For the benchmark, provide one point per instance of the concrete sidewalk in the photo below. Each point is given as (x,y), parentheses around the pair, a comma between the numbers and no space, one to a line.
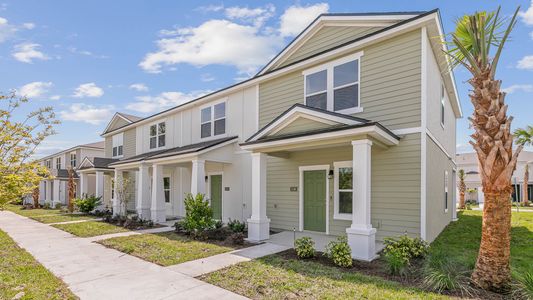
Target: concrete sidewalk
(93,271)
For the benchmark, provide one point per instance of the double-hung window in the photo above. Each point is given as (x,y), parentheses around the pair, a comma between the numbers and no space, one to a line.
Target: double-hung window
(118,145)
(166,188)
(343,190)
(48,164)
(58,163)
(213,120)
(157,135)
(334,86)
(73,159)
(442,103)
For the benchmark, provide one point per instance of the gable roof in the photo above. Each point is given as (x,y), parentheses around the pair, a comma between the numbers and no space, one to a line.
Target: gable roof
(120,116)
(95,145)
(431,17)
(96,162)
(99,145)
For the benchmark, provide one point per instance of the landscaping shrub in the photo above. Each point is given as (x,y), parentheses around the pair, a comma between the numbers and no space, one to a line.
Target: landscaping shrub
(523,288)
(216,233)
(198,215)
(57,206)
(339,252)
(443,274)
(304,247)
(399,252)
(218,224)
(86,204)
(237,238)
(47,205)
(236,225)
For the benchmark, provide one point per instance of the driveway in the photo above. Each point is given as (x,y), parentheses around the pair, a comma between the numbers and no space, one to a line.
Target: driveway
(93,271)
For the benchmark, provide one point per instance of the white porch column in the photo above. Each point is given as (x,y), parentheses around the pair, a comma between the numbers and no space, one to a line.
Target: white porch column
(143,193)
(198,177)
(48,196)
(99,184)
(258,224)
(42,191)
(84,183)
(56,196)
(158,209)
(116,203)
(361,235)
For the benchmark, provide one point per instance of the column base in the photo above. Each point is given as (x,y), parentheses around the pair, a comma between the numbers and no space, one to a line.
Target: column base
(158,216)
(258,230)
(143,213)
(362,241)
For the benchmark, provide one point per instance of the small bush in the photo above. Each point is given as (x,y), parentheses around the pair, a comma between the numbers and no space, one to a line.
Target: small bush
(340,252)
(523,288)
(218,224)
(399,252)
(198,215)
(47,205)
(443,274)
(57,206)
(236,225)
(87,203)
(237,238)
(304,247)
(218,234)
(397,262)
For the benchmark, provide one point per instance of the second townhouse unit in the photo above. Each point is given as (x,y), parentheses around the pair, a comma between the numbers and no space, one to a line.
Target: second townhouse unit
(349,130)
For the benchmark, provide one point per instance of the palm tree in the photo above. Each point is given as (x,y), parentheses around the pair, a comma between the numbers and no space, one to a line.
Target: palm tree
(471,44)
(462,188)
(524,136)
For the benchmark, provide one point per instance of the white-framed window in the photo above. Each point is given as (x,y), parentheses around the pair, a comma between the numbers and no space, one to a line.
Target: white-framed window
(73,159)
(213,120)
(442,103)
(343,190)
(48,163)
(445,191)
(58,163)
(118,145)
(166,188)
(334,86)
(157,135)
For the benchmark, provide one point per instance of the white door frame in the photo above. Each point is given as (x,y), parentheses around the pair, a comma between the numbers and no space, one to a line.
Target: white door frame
(208,188)
(301,193)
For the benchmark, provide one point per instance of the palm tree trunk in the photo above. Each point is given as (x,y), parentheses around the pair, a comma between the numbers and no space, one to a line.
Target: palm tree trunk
(492,266)
(526,183)
(462,200)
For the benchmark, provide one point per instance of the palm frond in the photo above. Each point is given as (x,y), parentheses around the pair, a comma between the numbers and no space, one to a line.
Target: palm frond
(524,136)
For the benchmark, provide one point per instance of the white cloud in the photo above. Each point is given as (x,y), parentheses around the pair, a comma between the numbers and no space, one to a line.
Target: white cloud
(55,97)
(27,52)
(88,90)
(518,87)
(149,104)
(28,26)
(296,18)
(206,77)
(464,148)
(6,30)
(527,16)
(75,50)
(139,87)
(209,44)
(81,112)
(210,8)
(35,89)
(531,34)
(257,16)
(526,63)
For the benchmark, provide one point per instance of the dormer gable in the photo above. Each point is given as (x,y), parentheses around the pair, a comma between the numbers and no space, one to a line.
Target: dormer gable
(120,120)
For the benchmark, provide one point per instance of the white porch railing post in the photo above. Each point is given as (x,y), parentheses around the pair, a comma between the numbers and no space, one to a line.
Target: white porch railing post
(143,193)
(158,209)
(258,224)
(198,177)
(361,235)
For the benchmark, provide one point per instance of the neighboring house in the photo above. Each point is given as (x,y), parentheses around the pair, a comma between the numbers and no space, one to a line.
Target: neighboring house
(349,130)
(55,190)
(468,162)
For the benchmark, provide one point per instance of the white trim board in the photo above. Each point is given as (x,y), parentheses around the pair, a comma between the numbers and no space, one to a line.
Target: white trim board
(301,170)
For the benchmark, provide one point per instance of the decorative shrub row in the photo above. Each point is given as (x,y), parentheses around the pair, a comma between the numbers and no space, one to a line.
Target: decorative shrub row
(338,251)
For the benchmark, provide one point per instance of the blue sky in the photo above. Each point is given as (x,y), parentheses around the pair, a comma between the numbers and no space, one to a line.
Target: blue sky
(89,59)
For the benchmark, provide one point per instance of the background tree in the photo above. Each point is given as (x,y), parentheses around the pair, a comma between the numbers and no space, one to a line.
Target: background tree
(462,188)
(35,196)
(121,186)
(20,135)
(471,44)
(524,136)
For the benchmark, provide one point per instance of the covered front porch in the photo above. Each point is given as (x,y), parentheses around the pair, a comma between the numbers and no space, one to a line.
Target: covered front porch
(95,179)
(316,181)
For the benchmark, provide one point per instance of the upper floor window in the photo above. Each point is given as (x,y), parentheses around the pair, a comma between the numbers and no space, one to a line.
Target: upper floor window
(118,145)
(58,163)
(48,164)
(442,102)
(157,135)
(73,160)
(343,188)
(334,86)
(213,120)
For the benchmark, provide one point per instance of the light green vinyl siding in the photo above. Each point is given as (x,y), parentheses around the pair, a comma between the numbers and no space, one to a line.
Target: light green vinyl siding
(129,143)
(302,124)
(326,38)
(437,164)
(395,187)
(108,147)
(117,123)
(390,85)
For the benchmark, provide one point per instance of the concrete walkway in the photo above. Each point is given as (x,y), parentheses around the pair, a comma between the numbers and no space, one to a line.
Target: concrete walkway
(128,233)
(213,263)
(93,271)
(74,222)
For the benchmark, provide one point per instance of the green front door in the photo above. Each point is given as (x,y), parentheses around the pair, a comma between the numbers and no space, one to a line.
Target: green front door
(216,196)
(315,200)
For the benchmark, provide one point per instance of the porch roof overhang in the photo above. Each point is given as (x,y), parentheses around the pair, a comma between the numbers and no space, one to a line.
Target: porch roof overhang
(93,164)
(329,137)
(176,154)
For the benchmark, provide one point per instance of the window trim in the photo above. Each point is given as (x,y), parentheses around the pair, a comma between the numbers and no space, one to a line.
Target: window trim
(212,120)
(446,191)
(330,88)
(169,188)
(75,159)
(120,143)
(58,163)
(336,166)
(156,123)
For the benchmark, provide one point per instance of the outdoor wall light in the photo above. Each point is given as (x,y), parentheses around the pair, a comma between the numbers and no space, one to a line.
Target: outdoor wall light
(206,177)
(330,174)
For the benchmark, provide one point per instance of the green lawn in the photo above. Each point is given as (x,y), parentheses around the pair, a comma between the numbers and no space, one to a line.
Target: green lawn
(88,229)
(47,216)
(460,240)
(31,212)
(167,248)
(275,277)
(21,273)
